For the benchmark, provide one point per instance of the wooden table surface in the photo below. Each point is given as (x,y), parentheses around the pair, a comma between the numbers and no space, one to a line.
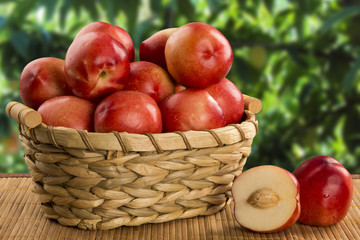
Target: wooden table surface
(22,218)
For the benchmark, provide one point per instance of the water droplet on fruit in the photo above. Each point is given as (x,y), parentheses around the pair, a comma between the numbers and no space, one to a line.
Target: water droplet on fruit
(326,195)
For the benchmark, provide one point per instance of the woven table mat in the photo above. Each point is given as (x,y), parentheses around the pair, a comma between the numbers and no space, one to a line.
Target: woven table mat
(22,218)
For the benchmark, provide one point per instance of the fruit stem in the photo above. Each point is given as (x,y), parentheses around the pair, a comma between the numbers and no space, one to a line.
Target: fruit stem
(102,74)
(263,198)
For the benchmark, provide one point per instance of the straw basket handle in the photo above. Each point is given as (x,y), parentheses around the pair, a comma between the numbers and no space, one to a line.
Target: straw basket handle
(23,114)
(252,104)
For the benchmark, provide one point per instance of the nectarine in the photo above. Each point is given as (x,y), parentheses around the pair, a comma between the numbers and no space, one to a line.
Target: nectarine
(68,111)
(230,100)
(96,65)
(191,109)
(42,79)
(153,48)
(326,190)
(198,55)
(266,199)
(149,78)
(118,33)
(128,111)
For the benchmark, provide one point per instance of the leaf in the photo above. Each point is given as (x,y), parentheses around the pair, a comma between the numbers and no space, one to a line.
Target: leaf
(299,19)
(21,10)
(250,7)
(109,8)
(257,56)
(77,5)
(269,5)
(2,21)
(352,129)
(50,7)
(4,125)
(350,77)
(338,17)
(216,8)
(295,55)
(91,7)
(186,8)
(141,28)
(215,5)
(21,42)
(130,9)
(64,9)
(156,6)
(112,7)
(337,70)
(305,96)
(246,72)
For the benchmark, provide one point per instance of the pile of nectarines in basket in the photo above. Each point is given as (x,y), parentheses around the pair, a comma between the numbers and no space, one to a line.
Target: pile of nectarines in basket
(179,83)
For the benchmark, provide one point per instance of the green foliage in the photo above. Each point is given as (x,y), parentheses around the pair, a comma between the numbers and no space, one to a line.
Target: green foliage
(301,58)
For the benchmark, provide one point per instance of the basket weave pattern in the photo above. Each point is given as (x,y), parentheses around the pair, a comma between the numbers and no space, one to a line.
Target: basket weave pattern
(103,181)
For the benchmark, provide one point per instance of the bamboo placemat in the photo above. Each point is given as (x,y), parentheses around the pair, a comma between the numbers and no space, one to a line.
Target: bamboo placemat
(21,218)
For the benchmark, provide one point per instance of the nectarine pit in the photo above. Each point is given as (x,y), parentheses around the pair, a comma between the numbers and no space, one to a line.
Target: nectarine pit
(263,198)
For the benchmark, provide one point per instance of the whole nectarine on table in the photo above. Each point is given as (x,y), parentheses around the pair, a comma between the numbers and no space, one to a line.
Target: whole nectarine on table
(326,190)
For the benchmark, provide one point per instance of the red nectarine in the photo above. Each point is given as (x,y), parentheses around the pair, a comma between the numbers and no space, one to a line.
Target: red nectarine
(128,111)
(191,109)
(68,111)
(96,65)
(42,79)
(326,190)
(116,32)
(149,78)
(230,100)
(198,55)
(266,199)
(153,48)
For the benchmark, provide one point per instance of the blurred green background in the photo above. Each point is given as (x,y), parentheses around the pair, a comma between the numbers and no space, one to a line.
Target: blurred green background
(301,58)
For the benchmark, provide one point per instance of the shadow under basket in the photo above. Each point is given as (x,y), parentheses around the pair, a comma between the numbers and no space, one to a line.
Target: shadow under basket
(100,181)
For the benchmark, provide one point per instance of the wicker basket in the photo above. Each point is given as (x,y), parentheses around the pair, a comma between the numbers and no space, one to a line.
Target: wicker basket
(107,180)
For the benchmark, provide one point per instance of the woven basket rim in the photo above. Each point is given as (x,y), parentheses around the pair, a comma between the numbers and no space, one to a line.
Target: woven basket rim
(133,142)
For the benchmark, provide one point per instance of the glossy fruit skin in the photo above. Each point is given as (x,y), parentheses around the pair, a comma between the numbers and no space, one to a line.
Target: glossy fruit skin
(191,109)
(118,33)
(68,111)
(153,48)
(151,79)
(198,55)
(230,100)
(326,190)
(42,79)
(96,65)
(128,111)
